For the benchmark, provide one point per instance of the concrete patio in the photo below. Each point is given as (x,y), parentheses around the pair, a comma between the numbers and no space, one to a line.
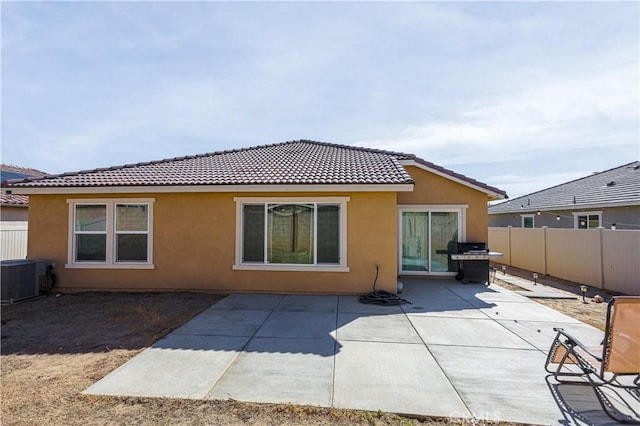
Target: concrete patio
(466,351)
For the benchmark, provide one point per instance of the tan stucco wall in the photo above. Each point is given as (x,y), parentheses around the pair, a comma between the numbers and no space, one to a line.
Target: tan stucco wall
(194,247)
(194,237)
(432,189)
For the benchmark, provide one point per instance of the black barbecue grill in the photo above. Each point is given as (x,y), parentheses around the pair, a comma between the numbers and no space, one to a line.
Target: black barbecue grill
(473,262)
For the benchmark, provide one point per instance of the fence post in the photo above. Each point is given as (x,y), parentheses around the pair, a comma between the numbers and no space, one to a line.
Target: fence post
(509,243)
(544,250)
(601,256)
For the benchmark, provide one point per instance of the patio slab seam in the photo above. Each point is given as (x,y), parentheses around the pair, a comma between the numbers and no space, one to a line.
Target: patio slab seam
(237,355)
(502,323)
(335,351)
(466,405)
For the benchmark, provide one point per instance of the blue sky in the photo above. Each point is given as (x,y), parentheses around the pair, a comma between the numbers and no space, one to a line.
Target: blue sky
(520,95)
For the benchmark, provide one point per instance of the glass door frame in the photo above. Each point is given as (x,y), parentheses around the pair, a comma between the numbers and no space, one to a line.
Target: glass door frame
(461,210)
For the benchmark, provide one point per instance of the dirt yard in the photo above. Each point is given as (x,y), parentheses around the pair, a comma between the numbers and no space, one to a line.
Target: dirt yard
(55,347)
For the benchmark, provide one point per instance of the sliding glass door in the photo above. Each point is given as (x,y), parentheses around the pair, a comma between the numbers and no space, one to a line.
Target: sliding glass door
(415,241)
(426,237)
(444,237)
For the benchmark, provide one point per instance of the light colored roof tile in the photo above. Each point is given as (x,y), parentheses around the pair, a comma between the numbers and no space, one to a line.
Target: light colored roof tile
(14,200)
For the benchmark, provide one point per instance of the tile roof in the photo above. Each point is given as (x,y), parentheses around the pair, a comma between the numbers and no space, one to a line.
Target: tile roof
(298,162)
(14,200)
(288,163)
(620,185)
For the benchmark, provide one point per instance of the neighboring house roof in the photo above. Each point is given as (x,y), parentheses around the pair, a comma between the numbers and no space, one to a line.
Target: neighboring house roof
(619,186)
(300,162)
(10,172)
(14,200)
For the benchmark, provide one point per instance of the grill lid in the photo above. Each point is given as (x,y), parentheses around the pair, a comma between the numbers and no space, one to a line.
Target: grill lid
(470,247)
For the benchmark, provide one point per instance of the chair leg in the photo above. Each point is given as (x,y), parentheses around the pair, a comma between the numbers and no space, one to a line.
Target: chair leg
(557,372)
(608,407)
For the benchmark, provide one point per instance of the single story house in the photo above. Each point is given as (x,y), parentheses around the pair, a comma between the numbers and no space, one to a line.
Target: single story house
(609,199)
(298,217)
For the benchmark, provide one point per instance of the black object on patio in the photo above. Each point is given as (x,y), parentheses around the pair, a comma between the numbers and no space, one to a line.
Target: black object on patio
(473,262)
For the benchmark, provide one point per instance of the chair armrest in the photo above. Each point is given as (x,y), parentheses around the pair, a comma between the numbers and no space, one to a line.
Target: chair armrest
(575,342)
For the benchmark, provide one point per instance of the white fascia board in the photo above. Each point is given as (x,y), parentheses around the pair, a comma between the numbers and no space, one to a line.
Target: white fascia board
(414,163)
(210,188)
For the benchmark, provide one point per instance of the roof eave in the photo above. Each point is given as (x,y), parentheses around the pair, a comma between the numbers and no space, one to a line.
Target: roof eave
(493,193)
(21,205)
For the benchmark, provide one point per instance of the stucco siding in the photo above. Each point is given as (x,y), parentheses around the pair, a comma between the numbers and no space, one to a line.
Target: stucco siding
(194,238)
(431,189)
(627,217)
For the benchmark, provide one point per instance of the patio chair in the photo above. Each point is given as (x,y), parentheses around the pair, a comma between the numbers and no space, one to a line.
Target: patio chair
(618,355)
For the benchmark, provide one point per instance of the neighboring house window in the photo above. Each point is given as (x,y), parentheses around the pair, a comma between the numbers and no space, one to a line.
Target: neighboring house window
(528,221)
(291,233)
(110,233)
(587,220)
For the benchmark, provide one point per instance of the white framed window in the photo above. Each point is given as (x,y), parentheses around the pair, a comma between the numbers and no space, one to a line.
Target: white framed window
(291,234)
(587,220)
(110,233)
(528,220)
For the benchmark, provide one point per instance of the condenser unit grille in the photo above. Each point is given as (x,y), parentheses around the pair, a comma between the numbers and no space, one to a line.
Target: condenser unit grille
(21,279)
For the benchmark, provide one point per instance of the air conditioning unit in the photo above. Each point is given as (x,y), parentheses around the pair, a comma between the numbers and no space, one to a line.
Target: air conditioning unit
(23,279)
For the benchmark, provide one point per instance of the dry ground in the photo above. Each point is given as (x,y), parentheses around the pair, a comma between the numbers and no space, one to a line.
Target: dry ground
(591,313)
(55,347)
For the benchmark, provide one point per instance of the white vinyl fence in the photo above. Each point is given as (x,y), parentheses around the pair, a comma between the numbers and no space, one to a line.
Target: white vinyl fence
(601,258)
(13,240)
